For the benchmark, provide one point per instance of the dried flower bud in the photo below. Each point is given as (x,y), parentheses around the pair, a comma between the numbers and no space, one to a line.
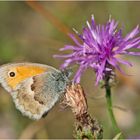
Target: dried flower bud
(75,98)
(85,126)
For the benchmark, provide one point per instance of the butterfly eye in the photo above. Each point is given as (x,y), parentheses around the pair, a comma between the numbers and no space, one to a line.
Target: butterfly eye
(12,74)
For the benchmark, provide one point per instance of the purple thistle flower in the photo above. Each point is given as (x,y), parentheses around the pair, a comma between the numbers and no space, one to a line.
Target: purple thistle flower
(101,45)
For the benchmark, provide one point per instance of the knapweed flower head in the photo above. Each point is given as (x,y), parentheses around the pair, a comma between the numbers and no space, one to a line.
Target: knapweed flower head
(101,45)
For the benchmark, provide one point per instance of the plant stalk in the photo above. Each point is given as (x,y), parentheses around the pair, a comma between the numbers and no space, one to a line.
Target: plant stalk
(110,107)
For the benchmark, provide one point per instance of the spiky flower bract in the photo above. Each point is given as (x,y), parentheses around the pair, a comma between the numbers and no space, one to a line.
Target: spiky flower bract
(101,45)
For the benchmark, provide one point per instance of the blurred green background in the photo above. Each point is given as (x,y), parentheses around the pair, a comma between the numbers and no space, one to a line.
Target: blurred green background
(26,35)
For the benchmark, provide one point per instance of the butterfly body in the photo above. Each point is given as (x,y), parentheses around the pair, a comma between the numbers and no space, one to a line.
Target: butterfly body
(35,88)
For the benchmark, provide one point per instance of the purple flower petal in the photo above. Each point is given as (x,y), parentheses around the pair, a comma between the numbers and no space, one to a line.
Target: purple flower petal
(78,74)
(74,39)
(69,47)
(64,55)
(132,53)
(124,62)
(132,34)
(114,63)
(99,47)
(100,72)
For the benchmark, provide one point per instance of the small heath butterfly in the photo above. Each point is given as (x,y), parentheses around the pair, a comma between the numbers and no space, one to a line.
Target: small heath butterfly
(35,88)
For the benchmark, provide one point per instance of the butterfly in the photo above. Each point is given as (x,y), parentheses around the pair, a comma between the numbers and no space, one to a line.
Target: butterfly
(35,88)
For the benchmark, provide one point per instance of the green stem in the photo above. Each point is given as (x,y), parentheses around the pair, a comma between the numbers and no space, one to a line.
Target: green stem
(110,108)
